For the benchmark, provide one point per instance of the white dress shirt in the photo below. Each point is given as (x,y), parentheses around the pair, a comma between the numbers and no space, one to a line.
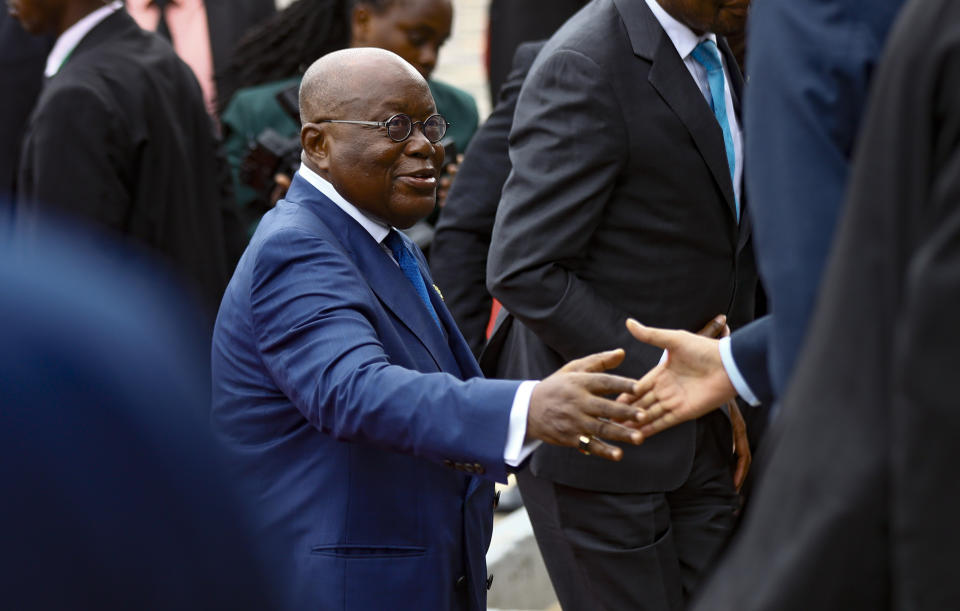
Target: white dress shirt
(72,36)
(516,448)
(685,41)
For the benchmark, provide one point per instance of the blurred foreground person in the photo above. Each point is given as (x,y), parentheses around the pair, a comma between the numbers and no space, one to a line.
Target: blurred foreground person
(120,137)
(114,496)
(857,508)
(354,410)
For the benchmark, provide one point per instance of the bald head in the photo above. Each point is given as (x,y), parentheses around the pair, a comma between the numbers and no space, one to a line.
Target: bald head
(343,82)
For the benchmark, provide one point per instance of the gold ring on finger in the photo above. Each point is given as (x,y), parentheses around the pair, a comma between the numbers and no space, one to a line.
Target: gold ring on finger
(583,444)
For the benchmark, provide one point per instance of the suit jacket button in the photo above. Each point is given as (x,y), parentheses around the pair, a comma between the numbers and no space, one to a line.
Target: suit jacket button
(489,582)
(461,582)
(496,499)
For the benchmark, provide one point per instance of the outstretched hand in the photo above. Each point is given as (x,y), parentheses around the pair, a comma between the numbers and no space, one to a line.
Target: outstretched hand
(691,381)
(570,404)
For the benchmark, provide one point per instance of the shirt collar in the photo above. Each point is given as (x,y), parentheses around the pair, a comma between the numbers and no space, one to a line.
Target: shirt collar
(376,229)
(682,37)
(72,36)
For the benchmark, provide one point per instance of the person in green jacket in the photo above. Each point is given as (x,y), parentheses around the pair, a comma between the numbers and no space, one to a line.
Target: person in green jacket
(272,58)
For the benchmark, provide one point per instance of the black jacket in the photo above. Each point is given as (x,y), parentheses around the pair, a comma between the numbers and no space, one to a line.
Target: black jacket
(120,137)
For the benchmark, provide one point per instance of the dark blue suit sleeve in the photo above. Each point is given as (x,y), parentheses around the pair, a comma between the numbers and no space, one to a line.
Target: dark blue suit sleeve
(810,64)
(749,346)
(331,350)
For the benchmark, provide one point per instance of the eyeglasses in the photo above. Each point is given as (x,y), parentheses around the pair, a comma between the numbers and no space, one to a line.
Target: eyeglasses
(400,126)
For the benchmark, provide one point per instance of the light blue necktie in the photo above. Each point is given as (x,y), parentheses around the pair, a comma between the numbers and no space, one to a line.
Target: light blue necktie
(708,55)
(408,264)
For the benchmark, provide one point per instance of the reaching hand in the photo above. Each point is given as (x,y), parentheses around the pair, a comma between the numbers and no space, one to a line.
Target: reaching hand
(691,381)
(569,405)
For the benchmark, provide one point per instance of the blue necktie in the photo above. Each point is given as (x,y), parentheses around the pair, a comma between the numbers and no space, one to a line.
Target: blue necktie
(708,55)
(408,264)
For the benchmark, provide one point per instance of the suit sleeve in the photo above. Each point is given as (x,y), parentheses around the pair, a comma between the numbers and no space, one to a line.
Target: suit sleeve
(749,348)
(923,365)
(313,317)
(458,255)
(76,157)
(568,147)
(802,116)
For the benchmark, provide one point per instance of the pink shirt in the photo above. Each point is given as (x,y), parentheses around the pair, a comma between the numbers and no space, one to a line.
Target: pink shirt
(187,22)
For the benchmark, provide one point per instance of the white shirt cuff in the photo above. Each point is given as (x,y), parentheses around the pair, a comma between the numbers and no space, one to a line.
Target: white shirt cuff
(736,378)
(517,449)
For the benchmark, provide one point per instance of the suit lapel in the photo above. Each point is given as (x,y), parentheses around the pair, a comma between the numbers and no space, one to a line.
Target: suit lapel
(736,77)
(461,351)
(378,268)
(673,82)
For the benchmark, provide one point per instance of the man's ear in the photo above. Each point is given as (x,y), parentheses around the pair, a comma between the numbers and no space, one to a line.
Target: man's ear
(360,25)
(315,143)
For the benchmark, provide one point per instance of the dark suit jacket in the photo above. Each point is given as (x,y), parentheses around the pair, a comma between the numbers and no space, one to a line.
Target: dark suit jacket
(620,204)
(824,54)
(858,504)
(120,137)
(458,255)
(346,412)
(514,22)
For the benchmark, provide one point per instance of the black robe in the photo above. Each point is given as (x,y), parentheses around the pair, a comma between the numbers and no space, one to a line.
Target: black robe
(858,507)
(120,137)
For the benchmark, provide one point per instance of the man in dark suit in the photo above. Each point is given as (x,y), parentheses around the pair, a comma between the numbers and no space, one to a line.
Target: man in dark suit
(811,63)
(352,407)
(625,199)
(458,255)
(119,137)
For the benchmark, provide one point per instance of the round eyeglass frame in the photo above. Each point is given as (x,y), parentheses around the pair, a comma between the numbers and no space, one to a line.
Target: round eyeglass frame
(391,124)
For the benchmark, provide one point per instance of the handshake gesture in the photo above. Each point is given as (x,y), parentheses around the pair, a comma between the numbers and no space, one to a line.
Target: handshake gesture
(569,409)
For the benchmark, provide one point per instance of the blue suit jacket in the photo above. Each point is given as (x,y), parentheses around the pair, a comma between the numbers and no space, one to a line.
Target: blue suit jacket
(810,66)
(346,412)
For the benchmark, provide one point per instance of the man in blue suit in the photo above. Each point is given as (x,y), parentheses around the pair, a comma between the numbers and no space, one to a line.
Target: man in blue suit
(353,408)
